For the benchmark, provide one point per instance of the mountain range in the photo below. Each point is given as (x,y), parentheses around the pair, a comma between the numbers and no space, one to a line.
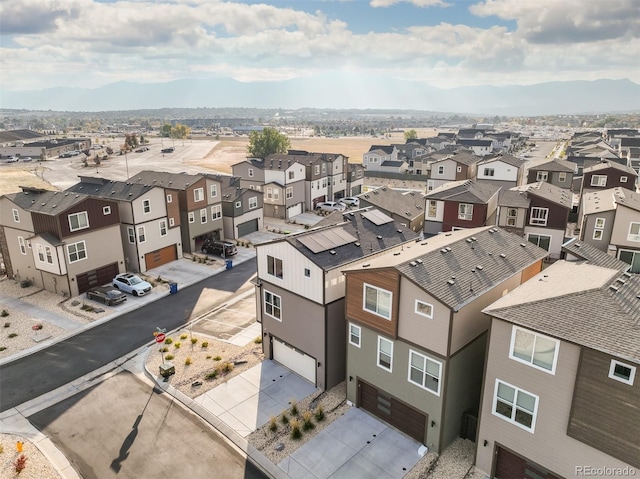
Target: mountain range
(339,91)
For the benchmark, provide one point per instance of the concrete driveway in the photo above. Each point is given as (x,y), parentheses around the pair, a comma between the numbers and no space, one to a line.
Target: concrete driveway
(234,322)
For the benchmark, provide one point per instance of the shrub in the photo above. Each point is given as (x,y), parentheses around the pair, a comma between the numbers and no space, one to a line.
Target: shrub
(183,336)
(194,340)
(307,423)
(320,413)
(296,433)
(273,424)
(212,375)
(13,335)
(169,357)
(217,358)
(187,361)
(6,325)
(258,340)
(20,463)
(4,313)
(2,348)
(208,356)
(228,367)
(164,350)
(284,419)
(204,344)
(168,341)
(177,345)
(294,408)
(1,449)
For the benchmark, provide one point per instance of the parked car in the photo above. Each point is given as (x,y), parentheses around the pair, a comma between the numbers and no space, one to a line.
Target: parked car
(107,295)
(167,150)
(142,149)
(96,147)
(69,154)
(26,158)
(130,283)
(330,206)
(12,159)
(219,247)
(350,201)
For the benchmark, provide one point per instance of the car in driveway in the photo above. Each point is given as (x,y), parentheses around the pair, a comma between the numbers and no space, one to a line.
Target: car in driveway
(168,150)
(219,247)
(330,206)
(350,201)
(107,295)
(12,159)
(131,283)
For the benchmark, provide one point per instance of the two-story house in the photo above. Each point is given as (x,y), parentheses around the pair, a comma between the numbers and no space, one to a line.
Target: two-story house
(242,211)
(147,239)
(461,165)
(405,207)
(479,147)
(460,204)
(417,338)
(513,211)
(607,175)
(251,173)
(61,241)
(300,290)
(561,389)
(557,172)
(372,160)
(355,179)
(611,223)
(192,201)
(503,170)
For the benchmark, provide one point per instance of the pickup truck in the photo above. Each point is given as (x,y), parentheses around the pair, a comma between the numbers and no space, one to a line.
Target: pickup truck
(330,206)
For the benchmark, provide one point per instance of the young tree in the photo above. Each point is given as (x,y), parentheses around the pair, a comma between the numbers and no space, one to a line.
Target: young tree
(267,142)
(410,135)
(131,140)
(181,131)
(165,130)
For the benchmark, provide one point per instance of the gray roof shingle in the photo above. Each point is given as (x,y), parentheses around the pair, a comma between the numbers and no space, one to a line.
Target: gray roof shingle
(176,181)
(593,255)
(514,199)
(45,201)
(405,204)
(508,159)
(111,189)
(555,165)
(547,191)
(464,190)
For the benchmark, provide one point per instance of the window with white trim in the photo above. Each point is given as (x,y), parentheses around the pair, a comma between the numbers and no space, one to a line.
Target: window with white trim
(216,212)
(623,179)
(78,221)
(430,185)
(459,169)
(274,266)
(562,177)
(634,232)
(424,309)
(40,250)
(432,208)
(253,202)
(465,211)
(385,354)
(355,333)
(291,175)
(146,206)
(131,234)
(512,215)
(622,372)
(489,172)
(424,372)
(21,244)
(77,251)
(441,170)
(172,222)
(289,192)
(250,171)
(539,216)
(307,273)
(203,216)
(142,237)
(213,190)
(192,217)
(48,254)
(631,257)
(598,229)
(599,180)
(273,305)
(198,194)
(377,301)
(238,204)
(317,169)
(534,349)
(16,215)
(515,405)
(169,198)
(542,175)
(106,210)
(163,227)
(543,241)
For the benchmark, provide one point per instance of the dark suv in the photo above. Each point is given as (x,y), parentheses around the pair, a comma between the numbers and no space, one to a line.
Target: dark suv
(221,248)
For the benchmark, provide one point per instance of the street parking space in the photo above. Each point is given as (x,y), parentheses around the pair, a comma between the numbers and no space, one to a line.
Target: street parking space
(229,321)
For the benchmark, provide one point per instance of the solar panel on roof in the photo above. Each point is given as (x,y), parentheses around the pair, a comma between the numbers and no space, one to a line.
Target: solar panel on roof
(377,217)
(326,240)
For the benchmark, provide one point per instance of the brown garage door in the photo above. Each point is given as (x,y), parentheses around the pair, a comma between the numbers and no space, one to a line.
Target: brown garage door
(97,277)
(407,419)
(161,256)
(509,465)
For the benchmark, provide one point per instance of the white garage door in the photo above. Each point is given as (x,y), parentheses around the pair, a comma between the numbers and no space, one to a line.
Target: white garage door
(294,210)
(295,360)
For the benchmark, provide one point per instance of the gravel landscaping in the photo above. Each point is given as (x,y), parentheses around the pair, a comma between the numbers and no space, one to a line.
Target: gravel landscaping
(36,467)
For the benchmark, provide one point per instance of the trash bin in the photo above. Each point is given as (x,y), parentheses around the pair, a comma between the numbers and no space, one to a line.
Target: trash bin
(173,288)
(229,263)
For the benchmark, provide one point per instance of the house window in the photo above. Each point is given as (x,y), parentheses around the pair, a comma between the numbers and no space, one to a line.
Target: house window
(489,172)
(534,349)
(598,231)
(216,212)
(253,202)
(250,172)
(252,187)
(597,235)
(291,175)
(163,228)
(238,204)
(622,372)
(270,193)
(512,215)
(16,215)
(634,232)
(192,217)
(539,216)
(131,234)
(599,180)
(146,206)
(631,257)
(430,185)
(424,372)
(273,305)
(274,266)
(385,353)
(289,192)
(317,169)
(78,221)
(169,199)
(424,309)
(432,208)
(459,169)
(540,240)
(441,170)
(377,301)
(213,190)
(106,210)
(562,177)
(623,179)
(142,237)
(542,175)
(77,251)
(22,246)
(198,194)
(40,250)
(355,333)
(172,222)
(324,168)
(203,216)
(515,405)
(307,273)
(465,211)
(324,182)
(49,254)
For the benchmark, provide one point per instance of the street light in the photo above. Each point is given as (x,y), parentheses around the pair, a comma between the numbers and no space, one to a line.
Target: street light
(126,162)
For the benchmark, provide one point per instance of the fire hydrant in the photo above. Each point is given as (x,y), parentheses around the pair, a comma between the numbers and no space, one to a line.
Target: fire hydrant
(19,445)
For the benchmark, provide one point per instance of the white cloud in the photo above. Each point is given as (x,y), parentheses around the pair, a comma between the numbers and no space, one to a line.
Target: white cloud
(417,3)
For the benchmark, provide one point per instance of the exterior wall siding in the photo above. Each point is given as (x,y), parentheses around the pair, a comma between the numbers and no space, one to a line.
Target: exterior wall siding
(588,227)
(23,265)
(450,218)
(557,217)
(502,172)
(623,220)
(557,238)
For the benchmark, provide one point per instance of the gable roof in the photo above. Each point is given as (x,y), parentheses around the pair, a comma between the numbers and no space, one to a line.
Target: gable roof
(387,149)
(464,157)
(508,159)
(37,200)
(111,189)
(611,164)
(230,188)
(555,165)
(175,181)
(549,192)
(392,164)
(402,203)
(607,200)
(514,199)
(591,254)
(465,191)
(475,142)
(579,302)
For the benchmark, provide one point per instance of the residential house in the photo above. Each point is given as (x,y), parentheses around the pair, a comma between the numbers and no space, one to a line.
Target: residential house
(192,201)
(576,250)
(373,159)
(148,239)
(502,170)
(460,204)
(300,290)
(460,165)
(557,172)
(355,179)
(547,217)
(479,147)
(611,223)
(251,173)
(560,393)
(513,211)
(61,241)
(406,207)
(607,175)
(417,338)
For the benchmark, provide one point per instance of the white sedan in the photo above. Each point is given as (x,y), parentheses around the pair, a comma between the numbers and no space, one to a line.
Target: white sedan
(130,283)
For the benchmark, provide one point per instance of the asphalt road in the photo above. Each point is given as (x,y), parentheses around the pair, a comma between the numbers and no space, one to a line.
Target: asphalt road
(124,428)
(61,363)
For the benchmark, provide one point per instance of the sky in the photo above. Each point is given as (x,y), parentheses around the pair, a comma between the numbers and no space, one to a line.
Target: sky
(443,43)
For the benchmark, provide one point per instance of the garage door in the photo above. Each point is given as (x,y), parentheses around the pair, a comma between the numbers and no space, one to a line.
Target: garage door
(97,277)
(295,360)
(401,416)
(247,227)
(161,256)
(510,465)
(294,210)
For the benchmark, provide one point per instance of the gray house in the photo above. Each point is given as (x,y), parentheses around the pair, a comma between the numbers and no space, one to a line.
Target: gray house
(557,172)
(406,207)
